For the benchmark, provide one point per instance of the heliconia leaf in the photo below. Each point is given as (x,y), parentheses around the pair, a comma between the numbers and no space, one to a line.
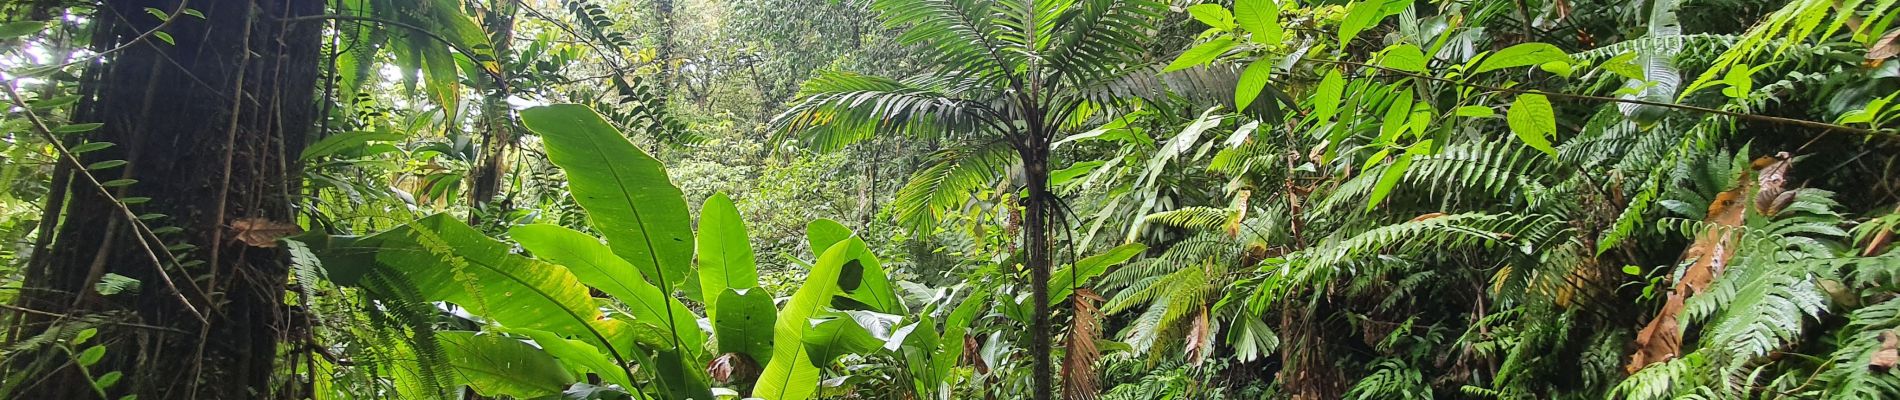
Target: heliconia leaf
(1327,97)
(791,375)
(1523,54)
(597,266)
(1201,54)
(443,259)
(579,355)
(745,323)
(823,233)
(1213,15)
(1405,57)
(1261,18)
(1253,80)
(626,192)
(725,251)
(493,365)
(1533,121)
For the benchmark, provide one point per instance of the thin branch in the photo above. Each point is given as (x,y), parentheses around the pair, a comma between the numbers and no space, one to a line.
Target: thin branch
(1746,116)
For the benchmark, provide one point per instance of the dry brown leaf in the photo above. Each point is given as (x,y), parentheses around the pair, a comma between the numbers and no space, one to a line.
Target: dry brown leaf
(1889,352)
(1199,337)
(262,232)
(1885,48)
(1660,341)
(732,367)
(1427,216)
(1078,364)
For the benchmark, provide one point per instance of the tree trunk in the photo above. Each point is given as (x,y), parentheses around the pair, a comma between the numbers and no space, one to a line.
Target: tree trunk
(210,127)
(497,117)
(1036,221)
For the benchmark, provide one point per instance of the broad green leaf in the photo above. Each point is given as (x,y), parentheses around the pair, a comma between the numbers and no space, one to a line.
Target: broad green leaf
(12,30)
(626,192)
(1065,280)
(1396,115)
(1624,65)
(440,79)
(791,375)
(595,264)
(1523,54)
(725,252)
(1213,15)
(1533,121)
(954,328)
(823,233)
(1359,16)
(1252,81)
(493,365)
(1077,170)
(345,141)
(1405,57)
(1387,180)
(1738,81)
(1327,97)
(744,323)
(439,258)
(578,355)
(1201,54)
(1261,18)
(835,334)
(1475,111)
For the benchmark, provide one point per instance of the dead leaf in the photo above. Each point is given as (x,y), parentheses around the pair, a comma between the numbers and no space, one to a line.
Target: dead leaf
(262,232)
(1078,365)
(1886,47)
(1427,216)
(1888,354)
(1661,339)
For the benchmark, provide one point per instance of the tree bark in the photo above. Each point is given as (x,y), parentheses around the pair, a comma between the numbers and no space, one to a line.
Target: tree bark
(210,125)
(497,117)
(1038,204)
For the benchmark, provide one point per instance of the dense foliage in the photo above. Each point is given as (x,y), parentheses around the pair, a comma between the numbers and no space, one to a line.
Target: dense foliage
(948,199)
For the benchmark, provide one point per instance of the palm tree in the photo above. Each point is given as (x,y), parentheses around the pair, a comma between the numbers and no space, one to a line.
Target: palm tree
(1009,76)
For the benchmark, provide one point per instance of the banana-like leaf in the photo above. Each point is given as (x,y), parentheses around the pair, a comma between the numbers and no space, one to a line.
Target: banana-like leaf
(791,375)
(493,365)
(579,355)
(439,258)
(597,266)
(626,192)
(725,252)
(864,284)
(745,324)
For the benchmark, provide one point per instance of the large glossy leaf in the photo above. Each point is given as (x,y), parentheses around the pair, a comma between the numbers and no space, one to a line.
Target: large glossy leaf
(791,375)
(725,252)
(1065,280)
(493,365)
(626,192)
(865,283)
(834,334)
(439,258)
(578,355)
(744,324)
(596,265)
(1253,80)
